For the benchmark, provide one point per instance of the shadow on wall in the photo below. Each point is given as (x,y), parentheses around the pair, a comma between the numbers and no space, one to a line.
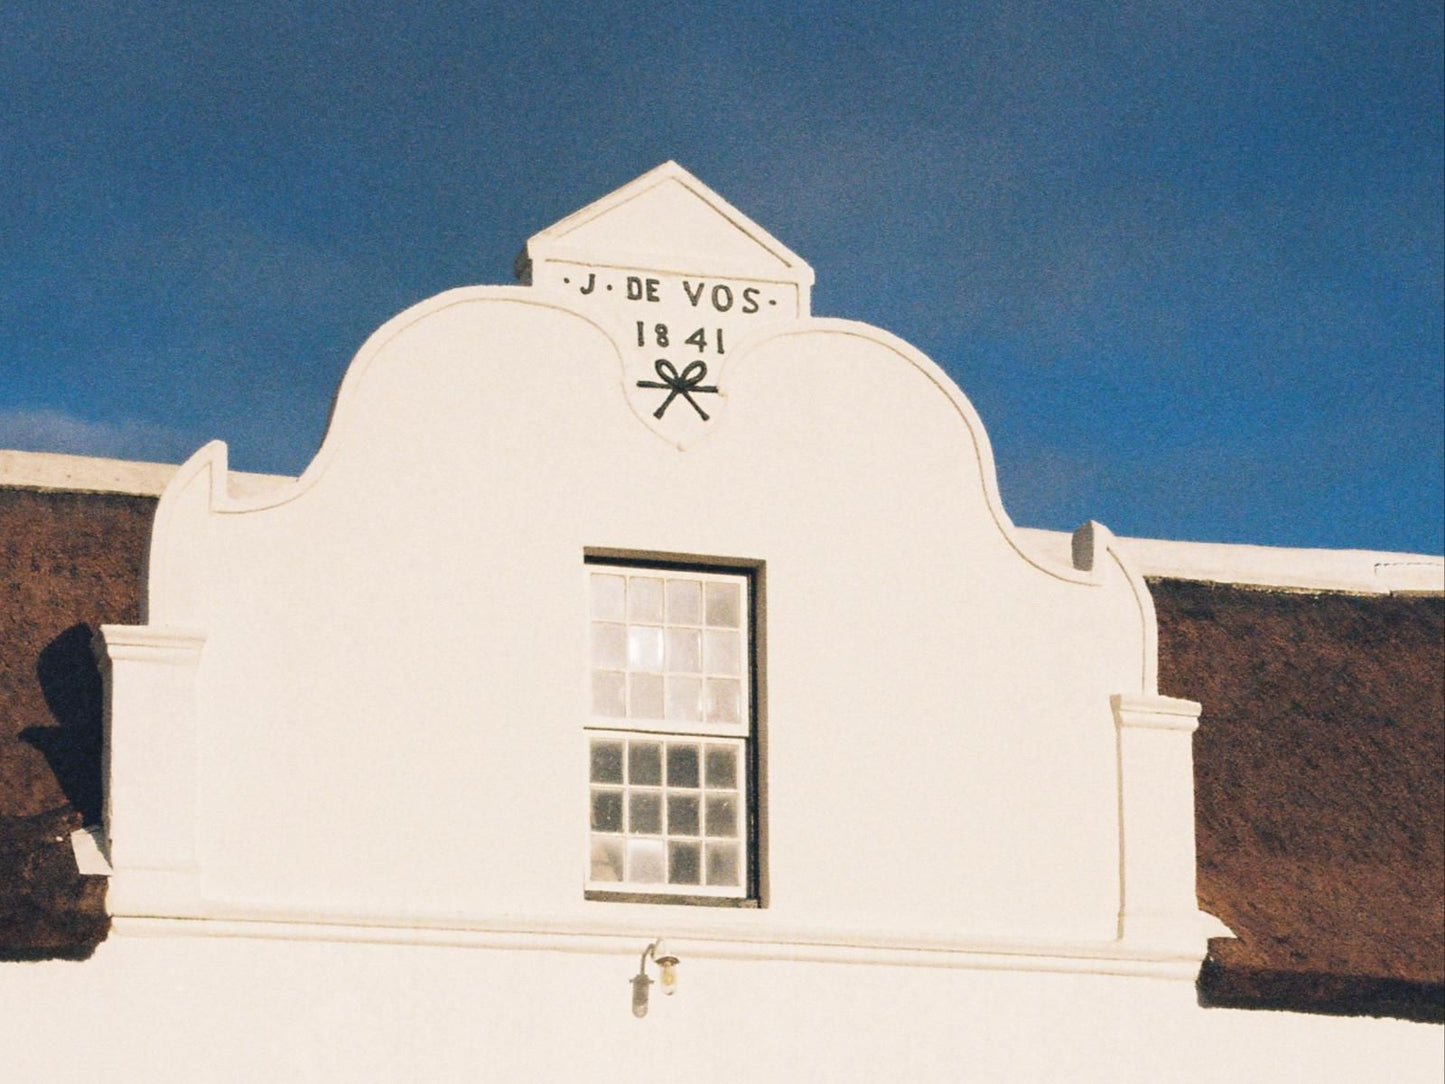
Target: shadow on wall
(70,681)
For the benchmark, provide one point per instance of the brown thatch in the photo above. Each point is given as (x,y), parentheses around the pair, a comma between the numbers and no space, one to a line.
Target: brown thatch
(1320,793)
(68,563)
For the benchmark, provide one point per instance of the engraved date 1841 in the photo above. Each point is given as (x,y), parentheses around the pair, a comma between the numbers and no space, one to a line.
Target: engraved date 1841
(661,335)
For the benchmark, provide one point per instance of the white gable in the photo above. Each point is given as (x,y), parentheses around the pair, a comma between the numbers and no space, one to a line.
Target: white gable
(667,220)
(363,696)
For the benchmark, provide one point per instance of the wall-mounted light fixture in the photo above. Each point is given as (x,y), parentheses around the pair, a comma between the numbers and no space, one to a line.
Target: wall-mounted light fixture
(641,982)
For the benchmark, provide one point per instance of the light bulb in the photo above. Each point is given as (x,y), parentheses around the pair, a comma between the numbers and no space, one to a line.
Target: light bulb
(669,974)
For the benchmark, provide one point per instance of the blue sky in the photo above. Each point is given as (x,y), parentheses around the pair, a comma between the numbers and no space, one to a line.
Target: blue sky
(1185,259)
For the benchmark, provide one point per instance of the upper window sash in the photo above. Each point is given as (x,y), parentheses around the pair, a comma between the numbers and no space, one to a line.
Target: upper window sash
(669,650)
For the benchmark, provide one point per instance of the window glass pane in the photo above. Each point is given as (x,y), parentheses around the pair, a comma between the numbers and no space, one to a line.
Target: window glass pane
(724,700)
(722,815)
(684,650)
(722,863)
(644,812)
(724,653)
(644,763)
(607,811)
(681,765)
(684,698)
(606,762)
(722,767)
(644,599)
(609,646)
(683,863)
(682,815)
(607,597)
(644,648)
(684,602)
(724,604)
(609,693)
(646,701)
(606,859)
(644,860)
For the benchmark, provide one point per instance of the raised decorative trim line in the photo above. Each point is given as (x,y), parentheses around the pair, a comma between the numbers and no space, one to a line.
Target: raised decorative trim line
(1101,958)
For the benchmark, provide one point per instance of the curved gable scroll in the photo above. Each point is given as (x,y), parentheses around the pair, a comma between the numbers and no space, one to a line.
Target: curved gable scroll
(387,661)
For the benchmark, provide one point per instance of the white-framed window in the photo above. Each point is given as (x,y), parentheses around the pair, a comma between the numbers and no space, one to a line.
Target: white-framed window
(670,732)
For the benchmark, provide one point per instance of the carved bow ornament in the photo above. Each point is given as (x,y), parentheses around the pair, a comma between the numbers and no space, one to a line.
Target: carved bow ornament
(685,383)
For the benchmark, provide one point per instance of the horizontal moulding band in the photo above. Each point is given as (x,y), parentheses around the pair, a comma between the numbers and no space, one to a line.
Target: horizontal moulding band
(1102,957)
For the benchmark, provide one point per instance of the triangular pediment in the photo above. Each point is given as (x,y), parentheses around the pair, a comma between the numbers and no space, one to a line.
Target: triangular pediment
(667,221)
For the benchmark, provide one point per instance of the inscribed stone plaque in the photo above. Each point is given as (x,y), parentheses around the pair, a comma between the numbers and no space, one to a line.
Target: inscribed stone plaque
(681,281)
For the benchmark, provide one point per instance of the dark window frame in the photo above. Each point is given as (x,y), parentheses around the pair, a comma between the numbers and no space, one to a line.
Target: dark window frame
(755,887)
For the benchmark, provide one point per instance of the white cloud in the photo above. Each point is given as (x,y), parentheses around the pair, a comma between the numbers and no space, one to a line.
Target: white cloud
(43,429)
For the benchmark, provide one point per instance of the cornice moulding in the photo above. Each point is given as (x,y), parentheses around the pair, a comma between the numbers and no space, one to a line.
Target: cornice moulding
(833,946)
(149,643)
(1155,712)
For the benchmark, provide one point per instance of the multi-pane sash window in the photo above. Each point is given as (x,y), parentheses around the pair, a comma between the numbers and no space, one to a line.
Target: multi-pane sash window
(670,731)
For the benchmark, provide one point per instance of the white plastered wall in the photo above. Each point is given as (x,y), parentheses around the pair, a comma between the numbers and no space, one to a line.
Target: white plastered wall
(238,1009)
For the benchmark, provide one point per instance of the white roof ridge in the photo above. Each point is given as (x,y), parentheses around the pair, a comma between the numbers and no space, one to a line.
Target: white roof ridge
(1358,571)
(97,474)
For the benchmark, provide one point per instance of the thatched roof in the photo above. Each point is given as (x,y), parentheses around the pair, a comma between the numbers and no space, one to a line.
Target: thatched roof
(68,562)
(1319,770)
